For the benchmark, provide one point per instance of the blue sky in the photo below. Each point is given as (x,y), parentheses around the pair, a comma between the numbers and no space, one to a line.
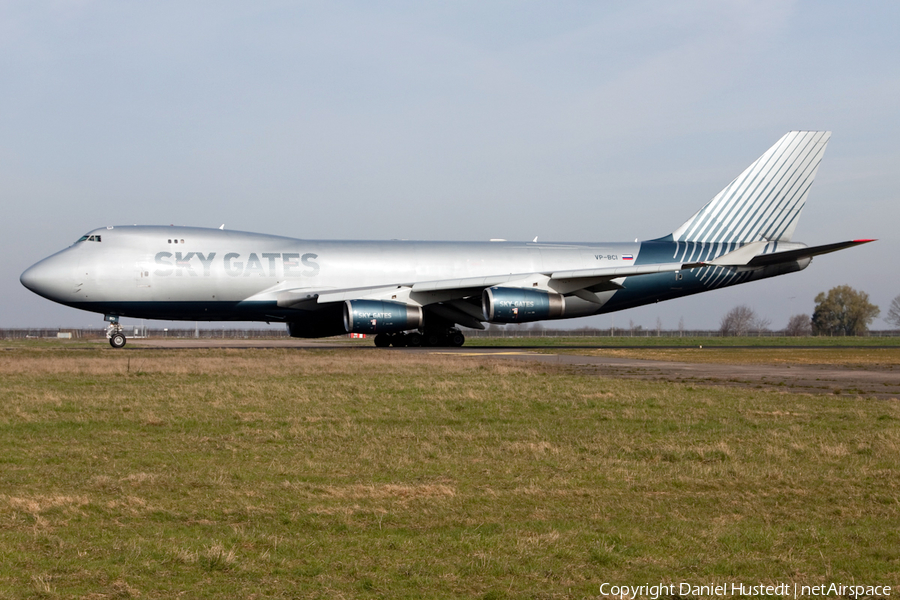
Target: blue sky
(465,120)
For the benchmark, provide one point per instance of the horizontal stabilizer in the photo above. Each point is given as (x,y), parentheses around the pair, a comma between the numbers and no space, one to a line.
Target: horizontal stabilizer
(750,256)
(775,258)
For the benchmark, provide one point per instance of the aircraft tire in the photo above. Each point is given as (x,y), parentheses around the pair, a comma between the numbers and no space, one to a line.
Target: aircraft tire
(117,340)
(382,341)
(399,340)
(414,340)
(457,339)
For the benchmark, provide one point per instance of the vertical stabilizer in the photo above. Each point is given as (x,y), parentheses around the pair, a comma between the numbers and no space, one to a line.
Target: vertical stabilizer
(763,202)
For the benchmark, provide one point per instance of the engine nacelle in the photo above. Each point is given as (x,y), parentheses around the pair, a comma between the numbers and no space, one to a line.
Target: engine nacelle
(521,305)
(380,316)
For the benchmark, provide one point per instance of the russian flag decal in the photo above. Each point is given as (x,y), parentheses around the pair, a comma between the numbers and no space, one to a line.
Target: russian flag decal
(628,257)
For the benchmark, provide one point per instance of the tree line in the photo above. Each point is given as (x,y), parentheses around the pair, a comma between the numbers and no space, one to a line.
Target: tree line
(840,311)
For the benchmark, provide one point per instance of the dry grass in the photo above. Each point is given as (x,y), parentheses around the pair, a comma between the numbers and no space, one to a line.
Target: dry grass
(233,362)
(286,473)
(857,357)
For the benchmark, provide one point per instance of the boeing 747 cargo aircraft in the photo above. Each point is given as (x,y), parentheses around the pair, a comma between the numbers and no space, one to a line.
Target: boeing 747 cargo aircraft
(412,293)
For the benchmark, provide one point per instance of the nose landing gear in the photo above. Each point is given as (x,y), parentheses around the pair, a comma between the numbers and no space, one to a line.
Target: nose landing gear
(114,333)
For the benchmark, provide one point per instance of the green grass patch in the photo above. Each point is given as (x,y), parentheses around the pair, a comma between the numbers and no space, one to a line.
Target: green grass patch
(653,341)
(286,473)
(861,358)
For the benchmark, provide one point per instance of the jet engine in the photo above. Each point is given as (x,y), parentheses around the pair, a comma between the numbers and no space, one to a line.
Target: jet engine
(380,316)
(521,305)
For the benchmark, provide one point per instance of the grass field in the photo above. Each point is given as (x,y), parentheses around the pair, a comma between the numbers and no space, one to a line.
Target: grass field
(877,358)
(540,342)
(688,342)
(344,474)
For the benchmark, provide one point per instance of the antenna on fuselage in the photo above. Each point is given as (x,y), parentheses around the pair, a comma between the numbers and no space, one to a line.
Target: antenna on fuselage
(222,226)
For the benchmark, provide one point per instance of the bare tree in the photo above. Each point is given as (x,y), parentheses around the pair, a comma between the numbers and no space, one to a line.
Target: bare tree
(738,321)
(741,320)
(893,316)
(761,324)
(799,325)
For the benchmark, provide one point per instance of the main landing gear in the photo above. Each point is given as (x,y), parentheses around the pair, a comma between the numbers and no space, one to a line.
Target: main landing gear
(451,337)
(114,333)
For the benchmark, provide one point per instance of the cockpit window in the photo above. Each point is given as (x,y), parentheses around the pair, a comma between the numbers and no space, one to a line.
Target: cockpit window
(89,238)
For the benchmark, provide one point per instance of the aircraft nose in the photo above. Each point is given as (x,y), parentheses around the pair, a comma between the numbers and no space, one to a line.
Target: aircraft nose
(37,278)
(47,278)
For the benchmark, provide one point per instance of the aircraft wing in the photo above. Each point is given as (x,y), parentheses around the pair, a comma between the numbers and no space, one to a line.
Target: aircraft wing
(579,282)
(444,290)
